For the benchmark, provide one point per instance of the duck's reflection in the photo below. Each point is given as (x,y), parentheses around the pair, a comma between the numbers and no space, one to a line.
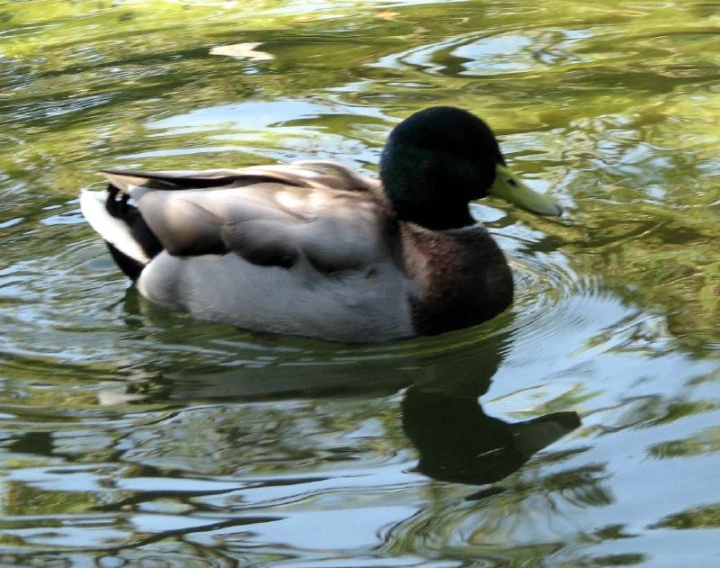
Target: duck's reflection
(442,379)
(458,442)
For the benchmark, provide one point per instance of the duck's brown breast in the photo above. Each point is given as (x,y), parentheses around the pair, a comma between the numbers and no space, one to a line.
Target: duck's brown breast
(462,278)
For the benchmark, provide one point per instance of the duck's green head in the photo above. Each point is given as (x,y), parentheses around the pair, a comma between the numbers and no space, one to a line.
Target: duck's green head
(439,159)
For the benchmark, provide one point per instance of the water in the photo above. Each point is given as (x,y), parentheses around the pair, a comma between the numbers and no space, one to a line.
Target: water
(132,435)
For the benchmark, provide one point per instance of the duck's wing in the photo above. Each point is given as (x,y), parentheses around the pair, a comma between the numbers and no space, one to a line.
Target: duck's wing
(308,173)
(320,213)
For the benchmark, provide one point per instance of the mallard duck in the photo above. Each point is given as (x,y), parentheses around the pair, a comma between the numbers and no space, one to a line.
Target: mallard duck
(315,249)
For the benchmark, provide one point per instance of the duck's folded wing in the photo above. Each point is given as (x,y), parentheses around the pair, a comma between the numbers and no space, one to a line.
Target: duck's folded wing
(268,223)
(195,222)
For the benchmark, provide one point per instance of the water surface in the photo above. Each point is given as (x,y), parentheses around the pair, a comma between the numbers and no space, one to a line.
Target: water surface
(132,435)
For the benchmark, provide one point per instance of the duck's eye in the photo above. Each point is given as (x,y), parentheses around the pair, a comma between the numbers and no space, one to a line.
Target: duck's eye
(512,182)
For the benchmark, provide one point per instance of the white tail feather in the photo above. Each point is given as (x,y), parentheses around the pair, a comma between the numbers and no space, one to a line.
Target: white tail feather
(114,231)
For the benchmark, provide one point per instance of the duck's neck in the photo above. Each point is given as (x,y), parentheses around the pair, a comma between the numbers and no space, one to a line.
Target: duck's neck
(443,217)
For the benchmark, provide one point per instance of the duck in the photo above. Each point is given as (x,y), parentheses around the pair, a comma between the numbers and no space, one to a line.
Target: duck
(316,249)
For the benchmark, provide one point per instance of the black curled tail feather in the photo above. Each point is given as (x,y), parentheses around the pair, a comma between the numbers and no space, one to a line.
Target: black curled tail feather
(131,267)
(117,205)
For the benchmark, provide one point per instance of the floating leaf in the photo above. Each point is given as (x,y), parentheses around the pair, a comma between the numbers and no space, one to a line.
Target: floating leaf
(386,14)
(246,50)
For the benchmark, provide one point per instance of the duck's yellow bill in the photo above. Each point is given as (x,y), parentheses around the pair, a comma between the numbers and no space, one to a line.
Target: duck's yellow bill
(511,189)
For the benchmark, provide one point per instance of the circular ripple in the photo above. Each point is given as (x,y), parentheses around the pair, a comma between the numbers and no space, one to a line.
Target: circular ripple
(557,309)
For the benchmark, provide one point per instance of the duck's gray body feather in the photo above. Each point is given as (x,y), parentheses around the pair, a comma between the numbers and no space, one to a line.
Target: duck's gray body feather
(370,304)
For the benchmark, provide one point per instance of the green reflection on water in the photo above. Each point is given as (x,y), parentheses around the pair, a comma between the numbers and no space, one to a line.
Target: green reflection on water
(131,421)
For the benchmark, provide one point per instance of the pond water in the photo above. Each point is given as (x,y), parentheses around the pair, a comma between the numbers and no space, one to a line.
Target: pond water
(580,428)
